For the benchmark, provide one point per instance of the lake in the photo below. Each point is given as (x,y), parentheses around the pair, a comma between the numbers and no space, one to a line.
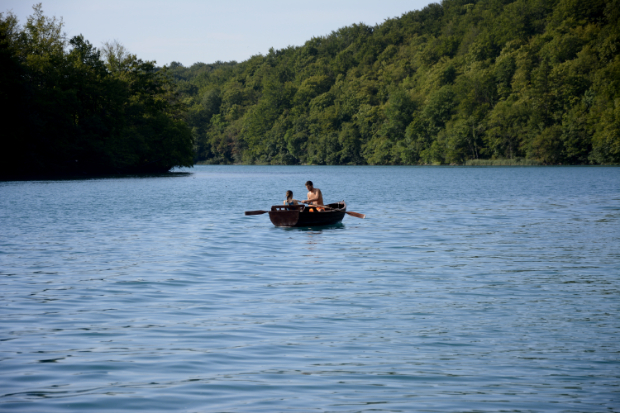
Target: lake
(465,289)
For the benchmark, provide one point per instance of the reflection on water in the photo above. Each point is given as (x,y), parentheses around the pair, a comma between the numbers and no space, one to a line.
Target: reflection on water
(474,289)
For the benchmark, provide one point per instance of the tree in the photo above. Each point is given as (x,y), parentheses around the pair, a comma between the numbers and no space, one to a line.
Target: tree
(456,81)
(76,114)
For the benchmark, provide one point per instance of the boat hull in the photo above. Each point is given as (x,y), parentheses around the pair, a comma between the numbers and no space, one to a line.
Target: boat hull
(306,216)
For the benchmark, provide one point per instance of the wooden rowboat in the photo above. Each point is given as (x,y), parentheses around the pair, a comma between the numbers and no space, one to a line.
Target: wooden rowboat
(307,216)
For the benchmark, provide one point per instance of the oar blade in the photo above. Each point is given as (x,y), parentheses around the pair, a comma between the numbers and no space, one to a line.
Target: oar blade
(255,212)
(356,214)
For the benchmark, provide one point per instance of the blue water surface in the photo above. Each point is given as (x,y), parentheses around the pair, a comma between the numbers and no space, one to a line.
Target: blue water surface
(464,290)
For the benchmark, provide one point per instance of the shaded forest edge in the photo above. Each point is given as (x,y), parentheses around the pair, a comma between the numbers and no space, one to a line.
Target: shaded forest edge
(485,82)
(506,82)
(70,109)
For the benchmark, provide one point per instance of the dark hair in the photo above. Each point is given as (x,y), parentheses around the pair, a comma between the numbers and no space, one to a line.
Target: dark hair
(289,194)
(309,183)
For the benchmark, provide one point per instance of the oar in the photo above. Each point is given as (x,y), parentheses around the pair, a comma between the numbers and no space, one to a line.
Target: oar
(356,214)
(255,212)
(353,214)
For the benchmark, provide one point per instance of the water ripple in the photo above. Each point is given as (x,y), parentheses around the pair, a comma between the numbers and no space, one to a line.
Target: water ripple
(474,289)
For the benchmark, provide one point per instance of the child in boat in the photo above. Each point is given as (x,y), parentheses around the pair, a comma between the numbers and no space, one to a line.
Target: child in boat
(289,199)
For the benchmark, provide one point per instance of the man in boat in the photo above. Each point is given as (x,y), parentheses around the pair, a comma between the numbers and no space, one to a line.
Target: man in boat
(315,196)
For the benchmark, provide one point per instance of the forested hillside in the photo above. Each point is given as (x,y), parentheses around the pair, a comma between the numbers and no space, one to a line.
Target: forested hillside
(454,83)
(68,108)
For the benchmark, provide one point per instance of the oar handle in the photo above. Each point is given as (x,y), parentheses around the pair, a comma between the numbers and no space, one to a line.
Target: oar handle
(353,214)
(319,206)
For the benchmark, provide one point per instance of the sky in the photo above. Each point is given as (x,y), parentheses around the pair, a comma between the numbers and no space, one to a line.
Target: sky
(190,31)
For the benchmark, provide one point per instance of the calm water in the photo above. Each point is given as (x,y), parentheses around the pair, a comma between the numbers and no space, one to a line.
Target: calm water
(465,289)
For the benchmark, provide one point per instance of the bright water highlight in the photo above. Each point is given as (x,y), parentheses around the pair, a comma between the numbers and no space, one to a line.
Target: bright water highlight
(465,289)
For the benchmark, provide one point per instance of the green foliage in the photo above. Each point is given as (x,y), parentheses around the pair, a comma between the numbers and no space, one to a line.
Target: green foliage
(461,82)
(70,112)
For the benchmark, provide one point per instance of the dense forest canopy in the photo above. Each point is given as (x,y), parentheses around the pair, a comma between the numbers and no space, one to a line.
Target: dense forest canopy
(454,83)
(69,108)
(461,82)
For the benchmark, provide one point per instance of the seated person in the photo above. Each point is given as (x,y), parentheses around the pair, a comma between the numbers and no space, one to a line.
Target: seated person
(290,200)
(315,197)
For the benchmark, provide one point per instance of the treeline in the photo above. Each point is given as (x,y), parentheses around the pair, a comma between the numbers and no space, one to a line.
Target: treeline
(68,108)
(456,82)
